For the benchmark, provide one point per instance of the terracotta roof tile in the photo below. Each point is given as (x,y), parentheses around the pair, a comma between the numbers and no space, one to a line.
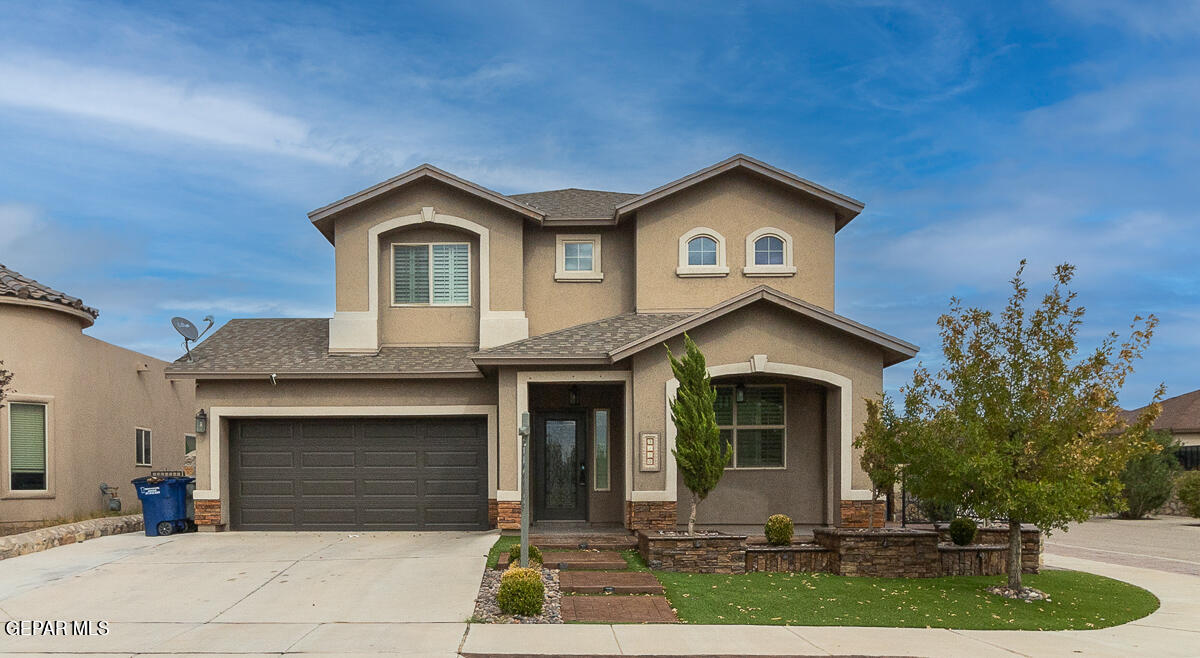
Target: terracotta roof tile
(13,284)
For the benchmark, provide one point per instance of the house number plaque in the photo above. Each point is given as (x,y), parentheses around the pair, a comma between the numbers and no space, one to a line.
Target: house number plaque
(651,451)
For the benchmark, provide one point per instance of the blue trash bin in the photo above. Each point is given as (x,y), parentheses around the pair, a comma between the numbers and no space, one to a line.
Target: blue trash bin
(164,503)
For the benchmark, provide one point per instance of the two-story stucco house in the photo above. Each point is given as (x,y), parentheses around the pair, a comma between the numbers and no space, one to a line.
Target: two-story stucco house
(461,310)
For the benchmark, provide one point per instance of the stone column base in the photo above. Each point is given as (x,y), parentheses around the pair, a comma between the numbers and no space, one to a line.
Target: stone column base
(855,513)
(208,514)
(651,514)
(508,514)
(492,512)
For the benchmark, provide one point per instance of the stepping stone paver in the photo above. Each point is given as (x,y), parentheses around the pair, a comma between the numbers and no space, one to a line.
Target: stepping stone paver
(576,560)
(618,609)
(622,582)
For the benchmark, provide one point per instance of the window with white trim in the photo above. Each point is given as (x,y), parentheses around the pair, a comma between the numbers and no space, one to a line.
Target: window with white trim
(701,253)
(434,274)
(769,253)
(142,447)
(577,258)
(756,424)
(27,446)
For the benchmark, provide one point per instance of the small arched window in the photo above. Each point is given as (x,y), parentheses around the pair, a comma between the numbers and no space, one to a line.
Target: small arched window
(769,253)
(702,253)
(702,250)
(768,250)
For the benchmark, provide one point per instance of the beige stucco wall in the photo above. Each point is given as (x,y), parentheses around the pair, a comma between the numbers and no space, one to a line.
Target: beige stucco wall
(331,393)
(734,205)
(552,304)
(98,397)
(783,336)
(1188,438)
(426,325)
(798,490)
(504,226)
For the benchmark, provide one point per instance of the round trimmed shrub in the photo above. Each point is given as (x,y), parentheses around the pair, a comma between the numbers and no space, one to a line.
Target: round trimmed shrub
(521,592)
(1187,487)
(514,555)
(778,530)
(962,531)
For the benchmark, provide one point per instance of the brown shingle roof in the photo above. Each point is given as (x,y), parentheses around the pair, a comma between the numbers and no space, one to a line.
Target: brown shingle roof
(13,284)
(593,340)
(575,203)
(300,346)
(1180,413)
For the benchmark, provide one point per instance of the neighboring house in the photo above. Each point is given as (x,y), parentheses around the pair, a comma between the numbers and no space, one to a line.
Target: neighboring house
(83,411)
(1181,417)
(460,310)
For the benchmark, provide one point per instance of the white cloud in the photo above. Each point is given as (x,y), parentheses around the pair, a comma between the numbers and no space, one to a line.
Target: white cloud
(1156,20)
(157,104)
(16,221)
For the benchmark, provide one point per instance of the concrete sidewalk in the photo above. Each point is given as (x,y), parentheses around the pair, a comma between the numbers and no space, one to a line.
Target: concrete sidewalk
(1173,630)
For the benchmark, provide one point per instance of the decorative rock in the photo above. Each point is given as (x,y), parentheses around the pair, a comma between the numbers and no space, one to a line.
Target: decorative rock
(487,610)
(1026,594)
(70,533)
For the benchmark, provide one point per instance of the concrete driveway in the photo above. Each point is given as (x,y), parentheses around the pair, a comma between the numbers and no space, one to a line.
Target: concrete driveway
(401,593)
(1164,543)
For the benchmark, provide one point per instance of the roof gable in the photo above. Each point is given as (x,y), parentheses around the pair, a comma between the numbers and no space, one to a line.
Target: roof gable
(1179,414)
(895,349)
(323,217)
(845,208)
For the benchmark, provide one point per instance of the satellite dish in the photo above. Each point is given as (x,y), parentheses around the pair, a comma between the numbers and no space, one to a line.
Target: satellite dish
(189,332)
(185,328)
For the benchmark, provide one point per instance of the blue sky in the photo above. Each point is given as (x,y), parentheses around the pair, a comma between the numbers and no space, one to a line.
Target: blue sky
(159,160)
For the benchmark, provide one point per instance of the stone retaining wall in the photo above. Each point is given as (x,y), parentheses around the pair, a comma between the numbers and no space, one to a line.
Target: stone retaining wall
(796,558)
(700,554)
(888,553)
(69,533)
(1031,542)
(973,560)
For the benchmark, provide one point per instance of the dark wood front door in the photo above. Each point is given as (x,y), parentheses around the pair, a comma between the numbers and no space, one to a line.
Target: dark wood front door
(560,466)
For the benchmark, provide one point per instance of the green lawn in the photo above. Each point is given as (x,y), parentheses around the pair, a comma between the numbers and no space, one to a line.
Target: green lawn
(1078,601)
(502,545)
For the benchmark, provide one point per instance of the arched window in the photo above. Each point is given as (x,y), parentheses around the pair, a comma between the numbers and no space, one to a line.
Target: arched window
(701,253)
(768,250)
(702,250)
(769,253)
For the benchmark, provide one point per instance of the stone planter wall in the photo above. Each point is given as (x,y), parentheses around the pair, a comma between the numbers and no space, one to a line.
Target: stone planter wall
(973,560)
(888,553)
(1031,543)
(69,533)
(700,554)
(795,558)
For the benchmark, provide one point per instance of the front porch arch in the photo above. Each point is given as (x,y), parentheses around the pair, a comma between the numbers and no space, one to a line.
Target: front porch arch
(758,364)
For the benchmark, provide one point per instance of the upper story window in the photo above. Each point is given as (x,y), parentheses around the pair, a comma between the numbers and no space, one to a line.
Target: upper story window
(769,253)
(436,274)
(577,258)
(27,446)
(702,250)
(701,253)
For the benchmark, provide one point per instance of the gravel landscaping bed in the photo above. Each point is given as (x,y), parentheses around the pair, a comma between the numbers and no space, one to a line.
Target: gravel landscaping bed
(487,610)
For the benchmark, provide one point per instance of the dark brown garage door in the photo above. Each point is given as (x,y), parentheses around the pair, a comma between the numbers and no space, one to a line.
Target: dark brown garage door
(360,474)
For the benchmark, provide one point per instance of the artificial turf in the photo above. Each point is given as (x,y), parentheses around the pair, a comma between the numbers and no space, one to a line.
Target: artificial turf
(1078,601)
